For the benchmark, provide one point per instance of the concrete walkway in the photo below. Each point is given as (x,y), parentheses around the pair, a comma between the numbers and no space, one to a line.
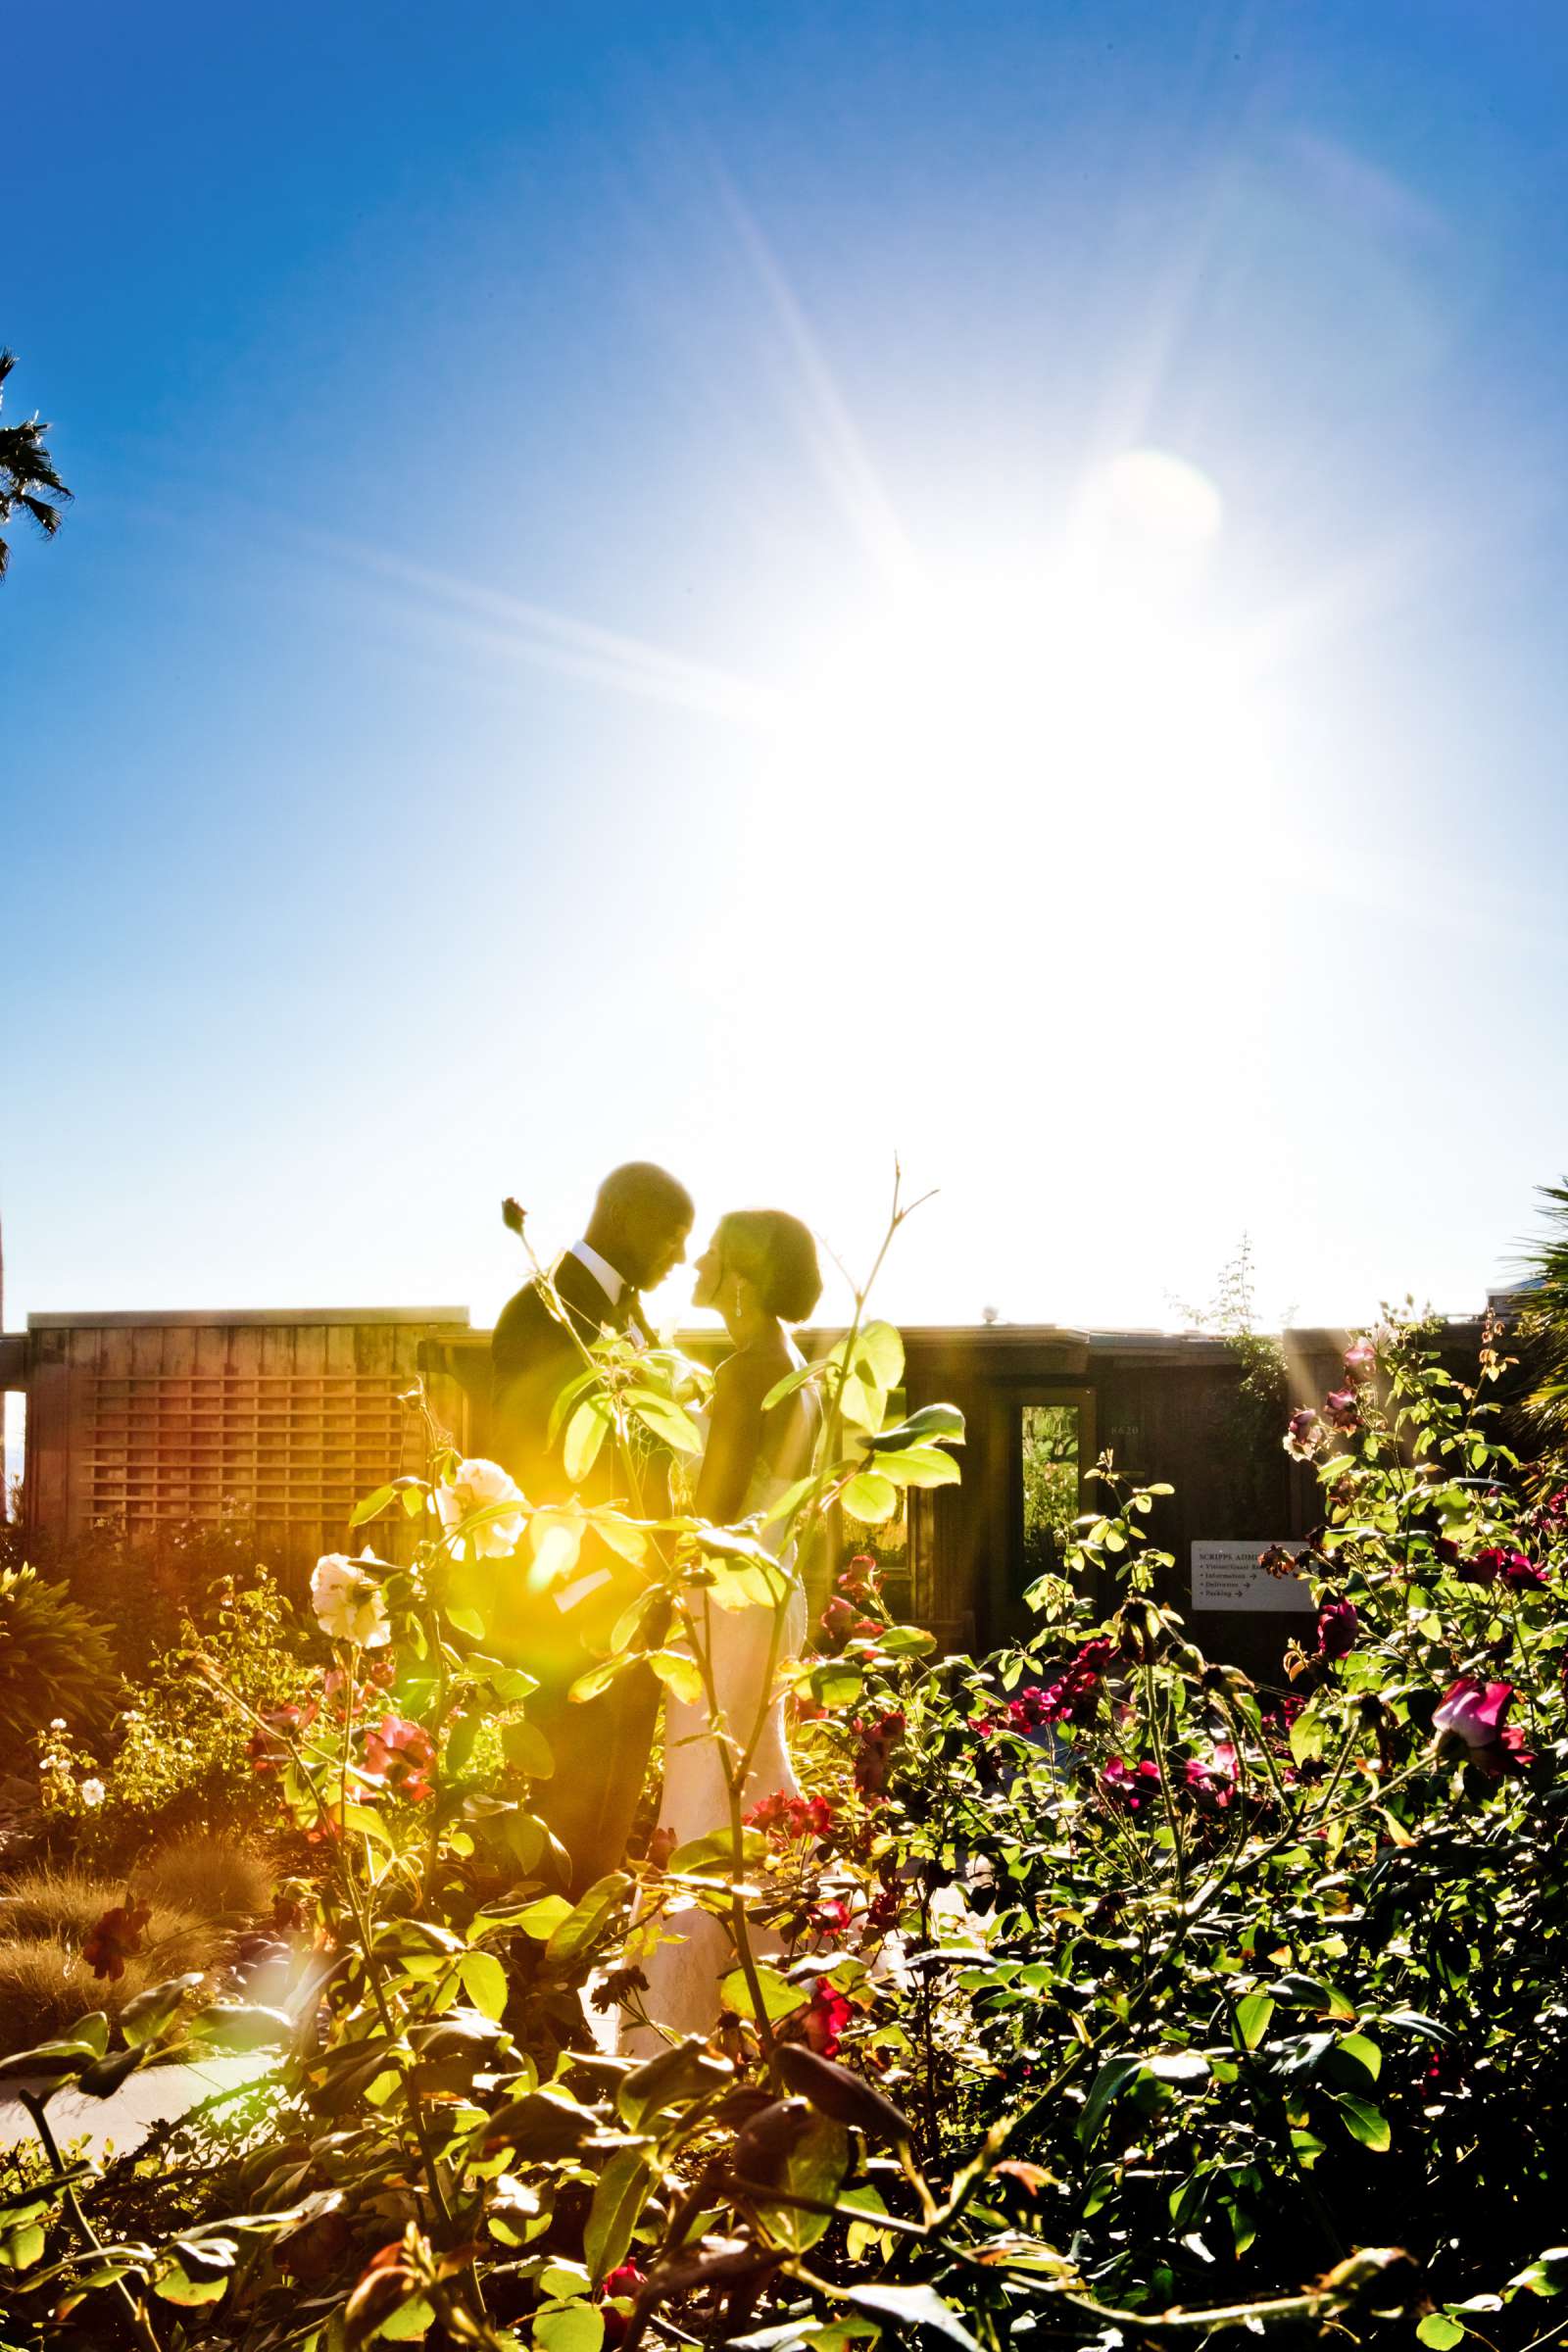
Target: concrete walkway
(158,2094)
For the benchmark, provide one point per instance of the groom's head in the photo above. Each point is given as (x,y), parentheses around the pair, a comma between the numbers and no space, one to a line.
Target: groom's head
(641,1222)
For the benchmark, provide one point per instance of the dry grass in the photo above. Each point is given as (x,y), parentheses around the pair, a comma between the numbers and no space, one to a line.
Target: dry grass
(68,1904)
(212,1877)
(197,1890)
(45,1985)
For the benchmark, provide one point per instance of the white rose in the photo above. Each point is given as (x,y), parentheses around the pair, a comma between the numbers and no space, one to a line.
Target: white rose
(478,1485)
(92,1792)
(349,1603)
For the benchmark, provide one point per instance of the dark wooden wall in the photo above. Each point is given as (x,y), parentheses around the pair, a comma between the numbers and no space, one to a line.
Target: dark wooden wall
(274,1422)
(282,1421)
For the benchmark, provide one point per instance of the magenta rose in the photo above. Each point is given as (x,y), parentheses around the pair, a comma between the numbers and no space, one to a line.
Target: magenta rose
(1335,1629)
(1473,1712)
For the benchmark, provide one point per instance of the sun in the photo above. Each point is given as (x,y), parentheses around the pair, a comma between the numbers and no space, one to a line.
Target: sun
(1050,697)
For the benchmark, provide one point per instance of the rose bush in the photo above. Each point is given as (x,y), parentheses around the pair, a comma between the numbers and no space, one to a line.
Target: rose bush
(1089,1992)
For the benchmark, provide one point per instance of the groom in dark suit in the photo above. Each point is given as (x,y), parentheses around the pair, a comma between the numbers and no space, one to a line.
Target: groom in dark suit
(637,1235)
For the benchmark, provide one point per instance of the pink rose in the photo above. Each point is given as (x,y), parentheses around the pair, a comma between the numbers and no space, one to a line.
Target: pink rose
(1473,1712)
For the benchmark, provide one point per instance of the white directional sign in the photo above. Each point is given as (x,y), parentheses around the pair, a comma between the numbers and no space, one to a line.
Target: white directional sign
(1227,1576)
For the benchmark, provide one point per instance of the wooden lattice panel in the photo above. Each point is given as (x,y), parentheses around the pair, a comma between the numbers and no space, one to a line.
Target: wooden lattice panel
(291,1447)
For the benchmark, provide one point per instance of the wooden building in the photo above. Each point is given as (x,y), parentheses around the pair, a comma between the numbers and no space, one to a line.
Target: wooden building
(272,1420)
(280,1421)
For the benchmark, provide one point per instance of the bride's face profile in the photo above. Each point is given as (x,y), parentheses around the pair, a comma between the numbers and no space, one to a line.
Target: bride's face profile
(710,1272)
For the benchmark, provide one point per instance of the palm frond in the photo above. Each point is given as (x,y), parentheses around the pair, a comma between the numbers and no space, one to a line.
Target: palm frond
(1544,1323)
(46,517)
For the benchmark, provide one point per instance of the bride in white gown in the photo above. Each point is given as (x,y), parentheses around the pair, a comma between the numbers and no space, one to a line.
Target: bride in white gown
(759,1272)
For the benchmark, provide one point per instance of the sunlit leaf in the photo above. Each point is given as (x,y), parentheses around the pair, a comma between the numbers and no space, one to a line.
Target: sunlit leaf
(871,1499)
(484,1981)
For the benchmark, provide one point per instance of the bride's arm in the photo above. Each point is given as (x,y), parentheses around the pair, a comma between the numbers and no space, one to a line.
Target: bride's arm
(734,1439)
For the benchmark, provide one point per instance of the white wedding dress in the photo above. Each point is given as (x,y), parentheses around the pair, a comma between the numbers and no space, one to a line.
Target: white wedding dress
(748,1661)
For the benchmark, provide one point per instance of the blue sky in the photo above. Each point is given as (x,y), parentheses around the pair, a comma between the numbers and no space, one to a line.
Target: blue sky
(770,585)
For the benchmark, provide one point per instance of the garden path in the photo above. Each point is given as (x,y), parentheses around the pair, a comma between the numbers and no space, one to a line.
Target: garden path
(159,2095)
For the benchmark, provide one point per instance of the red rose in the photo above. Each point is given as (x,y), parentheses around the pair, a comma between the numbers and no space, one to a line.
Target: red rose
(399,1756)
(115,1936)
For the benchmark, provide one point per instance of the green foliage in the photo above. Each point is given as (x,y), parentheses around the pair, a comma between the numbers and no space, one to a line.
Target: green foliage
(1089,1992)
(1544,1322)
(143,1593)
(28,482)
(180,1761)
(54,1656)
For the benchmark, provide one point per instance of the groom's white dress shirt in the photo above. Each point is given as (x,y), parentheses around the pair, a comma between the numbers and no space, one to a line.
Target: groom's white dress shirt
(603,1272)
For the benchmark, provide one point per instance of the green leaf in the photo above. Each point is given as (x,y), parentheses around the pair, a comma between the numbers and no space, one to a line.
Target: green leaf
(917,1466)
(560,2280)
(527,1749)
(244,2026)
(1356,2045)
(142,2020)
(22,2246)
(1439,2331)
(713,1853)
(879,1352)
(923,1428)
(1364,2121)
(1109,2085)
(50,2061)
(871,1499)
(569,2328)
(905,1640)
(484,1981)
(779,1997)
(1547,2274)
(1310,1737)
(410,2321)
(585,1435)
(793,1380)
(684,2073)
(541,1919)
(368,1823)
(460,1739)
(835,1683)
(615,2211)
(93,2029)
(582,1926)
(1252,2013)
(664,1419)
(912,2307)
(598,1678)
(369,1504)
(468,1621)
(834,2092)
(540,2125)
(177,2285)
(679,1673)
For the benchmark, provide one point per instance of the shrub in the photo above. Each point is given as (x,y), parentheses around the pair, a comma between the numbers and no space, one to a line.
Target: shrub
(181,1763)
(67,1904)
(45,1985)
(141,1592)
(55,1658)
(1180,2005)
(212,1876)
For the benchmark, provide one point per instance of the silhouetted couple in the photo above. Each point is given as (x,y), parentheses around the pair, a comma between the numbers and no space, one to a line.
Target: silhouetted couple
(760,1273)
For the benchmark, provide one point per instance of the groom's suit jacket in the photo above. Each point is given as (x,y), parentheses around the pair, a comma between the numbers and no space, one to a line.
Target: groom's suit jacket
(601,1746)
(533,1360)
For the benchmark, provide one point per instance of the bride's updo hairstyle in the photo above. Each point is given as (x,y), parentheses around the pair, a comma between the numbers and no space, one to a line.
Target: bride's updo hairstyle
(777,1256)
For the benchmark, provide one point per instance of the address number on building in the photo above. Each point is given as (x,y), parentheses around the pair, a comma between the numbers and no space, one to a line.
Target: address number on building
(1227,1576)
